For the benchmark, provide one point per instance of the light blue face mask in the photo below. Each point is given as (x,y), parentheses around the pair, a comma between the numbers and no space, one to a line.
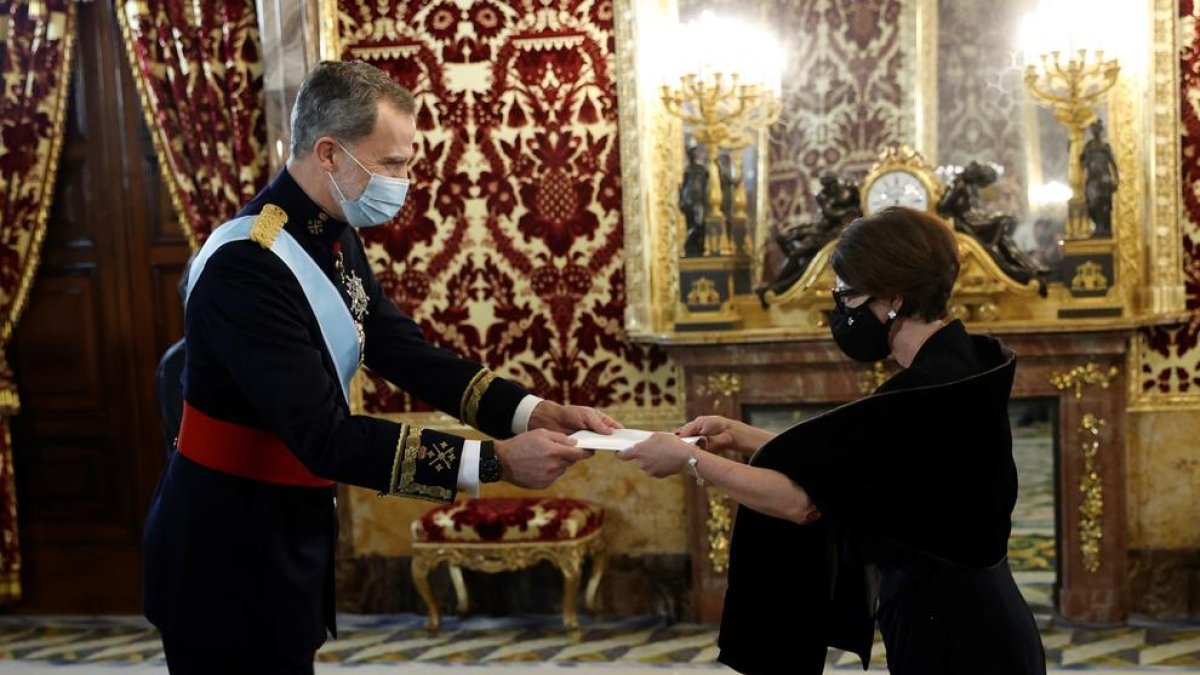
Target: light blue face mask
(379,202)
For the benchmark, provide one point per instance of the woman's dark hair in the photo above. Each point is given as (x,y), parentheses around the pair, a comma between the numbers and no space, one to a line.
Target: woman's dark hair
(900,251)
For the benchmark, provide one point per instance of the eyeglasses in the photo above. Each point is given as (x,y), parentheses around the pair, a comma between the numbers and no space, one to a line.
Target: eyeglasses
(841,295)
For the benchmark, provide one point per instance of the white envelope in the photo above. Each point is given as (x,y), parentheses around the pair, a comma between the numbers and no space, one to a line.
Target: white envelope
(620,439)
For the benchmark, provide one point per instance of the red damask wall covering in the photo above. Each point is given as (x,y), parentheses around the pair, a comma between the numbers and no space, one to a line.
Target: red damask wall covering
(509,251)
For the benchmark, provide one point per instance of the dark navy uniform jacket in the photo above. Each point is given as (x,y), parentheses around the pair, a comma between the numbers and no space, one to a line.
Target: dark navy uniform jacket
(234,564)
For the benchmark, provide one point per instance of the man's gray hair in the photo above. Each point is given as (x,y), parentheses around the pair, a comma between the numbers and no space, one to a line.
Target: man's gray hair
(338,99)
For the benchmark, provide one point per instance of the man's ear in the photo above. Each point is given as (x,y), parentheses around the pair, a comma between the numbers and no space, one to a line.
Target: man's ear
(323,151)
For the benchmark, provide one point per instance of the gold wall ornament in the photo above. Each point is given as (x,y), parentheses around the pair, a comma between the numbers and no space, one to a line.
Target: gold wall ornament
(1077,377)
(720,526)
(703,292)
(870,380)
(1089,277)
(720,384)
(1091,508)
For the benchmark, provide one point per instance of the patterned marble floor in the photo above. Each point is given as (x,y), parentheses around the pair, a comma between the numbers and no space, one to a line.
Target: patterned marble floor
(535,643)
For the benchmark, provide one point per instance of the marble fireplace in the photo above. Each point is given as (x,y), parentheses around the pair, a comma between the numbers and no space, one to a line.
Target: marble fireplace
(1084,371)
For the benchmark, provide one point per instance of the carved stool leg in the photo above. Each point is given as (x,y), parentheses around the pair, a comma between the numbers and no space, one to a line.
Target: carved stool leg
(599,565)
(421,565)
(571,565)
(460,589)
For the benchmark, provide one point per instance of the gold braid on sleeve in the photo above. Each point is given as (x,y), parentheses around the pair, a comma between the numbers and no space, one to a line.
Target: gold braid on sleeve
(473,394)
(391,488)
(404,483)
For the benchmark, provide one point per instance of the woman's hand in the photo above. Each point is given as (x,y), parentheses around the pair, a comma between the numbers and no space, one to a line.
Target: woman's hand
(660,456)
(719,432)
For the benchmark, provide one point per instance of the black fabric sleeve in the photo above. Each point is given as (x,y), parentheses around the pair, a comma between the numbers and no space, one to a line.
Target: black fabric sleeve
(249,313)
(398,350)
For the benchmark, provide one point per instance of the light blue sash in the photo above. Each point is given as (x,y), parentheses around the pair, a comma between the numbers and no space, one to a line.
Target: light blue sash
(337,325)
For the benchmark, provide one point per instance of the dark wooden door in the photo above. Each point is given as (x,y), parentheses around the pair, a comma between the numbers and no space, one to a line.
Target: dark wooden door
(88,447)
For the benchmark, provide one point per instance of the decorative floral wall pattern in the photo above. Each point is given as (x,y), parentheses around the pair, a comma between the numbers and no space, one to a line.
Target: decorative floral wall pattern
(509,251)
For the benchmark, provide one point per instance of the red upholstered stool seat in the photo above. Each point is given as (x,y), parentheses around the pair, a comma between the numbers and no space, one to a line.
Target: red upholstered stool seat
(509,519)
(496,534)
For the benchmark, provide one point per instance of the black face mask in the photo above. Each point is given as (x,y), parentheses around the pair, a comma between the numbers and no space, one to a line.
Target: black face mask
(858,332)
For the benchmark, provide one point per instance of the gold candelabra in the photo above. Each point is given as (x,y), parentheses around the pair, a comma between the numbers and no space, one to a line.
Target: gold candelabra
(1071,88)
(723,113)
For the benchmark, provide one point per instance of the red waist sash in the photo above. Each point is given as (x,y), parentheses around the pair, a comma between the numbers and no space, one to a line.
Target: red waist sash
(241,451)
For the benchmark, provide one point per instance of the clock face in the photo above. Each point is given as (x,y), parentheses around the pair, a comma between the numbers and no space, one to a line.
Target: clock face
(897,188)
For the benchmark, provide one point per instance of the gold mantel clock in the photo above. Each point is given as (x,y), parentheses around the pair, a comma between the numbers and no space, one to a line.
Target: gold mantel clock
(900,178)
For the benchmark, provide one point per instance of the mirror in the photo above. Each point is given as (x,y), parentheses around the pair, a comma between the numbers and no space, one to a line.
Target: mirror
(947,78)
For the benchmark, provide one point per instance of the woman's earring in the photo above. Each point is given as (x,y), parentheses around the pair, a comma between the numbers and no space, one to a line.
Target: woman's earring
(891,314)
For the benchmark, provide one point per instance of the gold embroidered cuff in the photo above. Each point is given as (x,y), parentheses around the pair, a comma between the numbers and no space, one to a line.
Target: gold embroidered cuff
(469,408)
(410,449)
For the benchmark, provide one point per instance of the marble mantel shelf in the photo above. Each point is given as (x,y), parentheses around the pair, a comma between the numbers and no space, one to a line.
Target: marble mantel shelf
(792,334)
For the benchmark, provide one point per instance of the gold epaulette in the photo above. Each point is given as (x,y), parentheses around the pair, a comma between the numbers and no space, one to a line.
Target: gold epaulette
(472,395)
(267,225)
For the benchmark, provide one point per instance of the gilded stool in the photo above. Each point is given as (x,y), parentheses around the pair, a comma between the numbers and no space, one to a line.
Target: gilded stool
(496,534)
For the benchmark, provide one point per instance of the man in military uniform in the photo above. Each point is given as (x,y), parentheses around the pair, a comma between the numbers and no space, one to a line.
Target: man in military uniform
(282,308)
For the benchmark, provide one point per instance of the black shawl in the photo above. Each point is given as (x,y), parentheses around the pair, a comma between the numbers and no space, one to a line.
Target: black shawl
(925,464)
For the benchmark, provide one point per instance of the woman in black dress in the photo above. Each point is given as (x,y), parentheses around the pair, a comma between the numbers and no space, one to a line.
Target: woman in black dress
(895,508)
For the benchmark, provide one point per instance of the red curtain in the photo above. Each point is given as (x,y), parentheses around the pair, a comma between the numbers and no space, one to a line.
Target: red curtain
(199,72)
(36,41)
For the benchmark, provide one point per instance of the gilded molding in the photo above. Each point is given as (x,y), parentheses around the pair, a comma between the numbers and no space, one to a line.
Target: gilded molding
(1091,507)
(637,273)
(719,526)
(1165,235)
(1077,377)
(1125,114)
(925,94)
(651,169)
(330,48)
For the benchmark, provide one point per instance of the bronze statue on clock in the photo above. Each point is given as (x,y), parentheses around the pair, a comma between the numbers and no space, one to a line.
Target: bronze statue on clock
(963,204)
(838,203)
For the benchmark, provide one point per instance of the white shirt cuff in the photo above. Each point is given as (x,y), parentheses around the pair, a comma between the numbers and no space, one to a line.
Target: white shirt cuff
(468,469)
(520,423)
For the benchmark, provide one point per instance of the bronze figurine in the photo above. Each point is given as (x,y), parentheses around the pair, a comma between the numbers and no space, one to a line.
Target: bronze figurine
(838,203)
(693,200)
(1101,180)
(993,230)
